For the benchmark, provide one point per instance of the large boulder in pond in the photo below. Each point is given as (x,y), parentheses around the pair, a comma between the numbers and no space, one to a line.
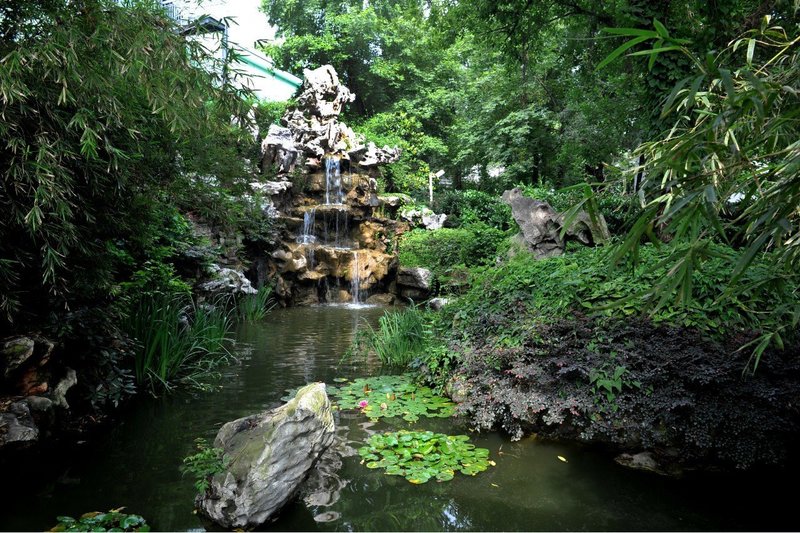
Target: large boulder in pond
(269,455)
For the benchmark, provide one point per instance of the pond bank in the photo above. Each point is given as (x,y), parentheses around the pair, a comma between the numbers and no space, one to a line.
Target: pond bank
(635,386)
(137,464)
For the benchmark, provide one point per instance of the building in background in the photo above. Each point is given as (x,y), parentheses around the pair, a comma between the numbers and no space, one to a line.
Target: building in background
(223,26)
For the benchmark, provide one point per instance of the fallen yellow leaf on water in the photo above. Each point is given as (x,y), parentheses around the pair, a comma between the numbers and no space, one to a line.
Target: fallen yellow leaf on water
(562,458)
(494,485)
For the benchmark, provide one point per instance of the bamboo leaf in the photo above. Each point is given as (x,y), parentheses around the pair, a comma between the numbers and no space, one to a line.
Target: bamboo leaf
(751,47)
(620,50)
(661,29)
(632,32)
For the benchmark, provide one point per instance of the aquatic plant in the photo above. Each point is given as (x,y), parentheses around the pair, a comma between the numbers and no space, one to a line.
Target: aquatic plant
(401,337)
(392,396)
(253,307)
(204,464)
(179,341)
(420,456)
(113,520)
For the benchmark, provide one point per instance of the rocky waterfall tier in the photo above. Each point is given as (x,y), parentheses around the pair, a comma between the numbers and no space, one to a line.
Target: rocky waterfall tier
(336,246)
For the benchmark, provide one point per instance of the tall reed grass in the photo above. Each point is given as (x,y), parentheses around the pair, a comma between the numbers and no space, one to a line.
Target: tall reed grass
(401,337)
(254,307)
(179,341)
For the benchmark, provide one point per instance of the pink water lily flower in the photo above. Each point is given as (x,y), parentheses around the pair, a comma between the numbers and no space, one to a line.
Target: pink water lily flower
(363,403)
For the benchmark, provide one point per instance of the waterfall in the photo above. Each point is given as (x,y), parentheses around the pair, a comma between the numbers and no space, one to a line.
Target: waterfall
(308,237)
(333,182)
(309,220)
(342,230)
(355,279)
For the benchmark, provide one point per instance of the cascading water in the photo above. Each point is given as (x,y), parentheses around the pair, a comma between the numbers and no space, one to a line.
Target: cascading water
(355,280)
(309,219)
(308,237)
(333,182)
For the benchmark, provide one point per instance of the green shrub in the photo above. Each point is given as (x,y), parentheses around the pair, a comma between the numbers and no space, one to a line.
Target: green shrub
(443,250)
(472,206)
(204,464)
(268,113)
(401,129)
(556,287)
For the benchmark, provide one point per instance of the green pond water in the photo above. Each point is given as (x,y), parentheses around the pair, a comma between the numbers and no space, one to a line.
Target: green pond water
(136,465)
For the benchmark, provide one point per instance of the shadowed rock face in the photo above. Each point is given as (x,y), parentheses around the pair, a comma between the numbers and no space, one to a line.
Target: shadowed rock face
(540,226)
(269,455)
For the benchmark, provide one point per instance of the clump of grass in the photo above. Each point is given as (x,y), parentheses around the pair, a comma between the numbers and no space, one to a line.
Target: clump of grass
(254,307)
(179,340)
(401,337)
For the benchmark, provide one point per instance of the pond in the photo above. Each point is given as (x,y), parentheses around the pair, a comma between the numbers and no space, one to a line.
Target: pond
(136,465)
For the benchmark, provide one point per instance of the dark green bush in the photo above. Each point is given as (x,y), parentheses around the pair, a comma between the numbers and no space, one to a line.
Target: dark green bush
(556,287)
(442,249)
(96,143)
(410,173)
(268,113)
(448,251)
(471,206)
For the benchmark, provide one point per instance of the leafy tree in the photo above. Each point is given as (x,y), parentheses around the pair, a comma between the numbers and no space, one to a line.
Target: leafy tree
(98,100)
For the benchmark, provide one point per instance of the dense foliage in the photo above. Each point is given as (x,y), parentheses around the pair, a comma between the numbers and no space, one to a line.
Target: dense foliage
(106,124)
(728,169)
(438,79)
(448,251)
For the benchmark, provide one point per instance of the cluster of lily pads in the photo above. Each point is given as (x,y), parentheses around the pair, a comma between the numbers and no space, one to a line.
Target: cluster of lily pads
(113,520)
(392,396)
(420,456)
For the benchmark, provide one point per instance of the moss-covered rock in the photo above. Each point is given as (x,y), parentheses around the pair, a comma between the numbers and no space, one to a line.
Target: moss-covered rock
(268,457)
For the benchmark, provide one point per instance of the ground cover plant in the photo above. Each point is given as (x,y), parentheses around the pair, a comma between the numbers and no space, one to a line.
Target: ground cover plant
(420,456)
(581,280)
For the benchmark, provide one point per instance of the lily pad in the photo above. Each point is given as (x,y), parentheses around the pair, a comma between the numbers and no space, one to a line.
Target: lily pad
(391,396)
(420,456)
